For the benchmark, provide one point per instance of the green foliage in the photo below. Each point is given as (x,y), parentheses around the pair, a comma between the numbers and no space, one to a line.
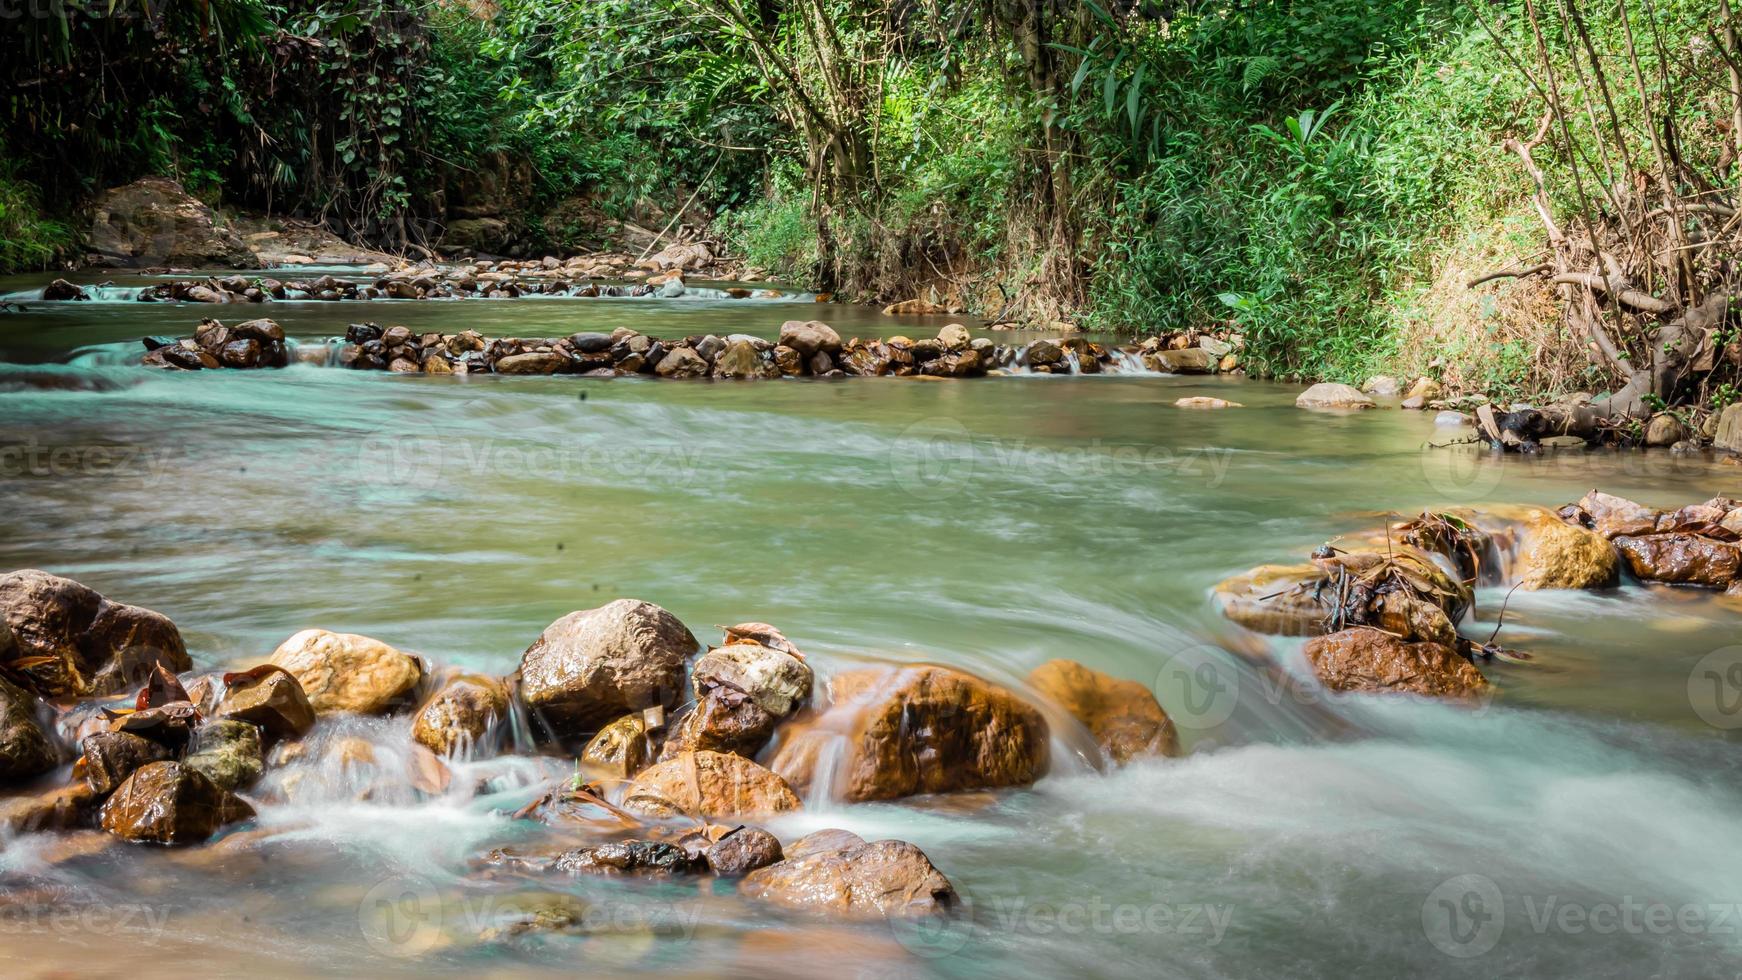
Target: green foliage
(28,240)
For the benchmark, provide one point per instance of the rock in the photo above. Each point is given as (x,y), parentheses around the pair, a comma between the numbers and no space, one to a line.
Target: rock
(60,291)
(26,748)
(1451,420)
(1188,360)
(743,851)
(1553,554)
(954,336)
(1200,401)
(810,336)
(469,236)
(682,362)
(1663,430)
(626,857)
(788,361)
(887,878)
(531,362)
(591,343)
(62,808)
(1043,352)
(1613,516)
(95,646)
(1366,660)
(1123,716)
(914,307)
(1215,348)
(709,784)
(274,700)
(1383,385)
(1405,591)
(722,721)
(741,361)
(345,672)
(1728,434)
(154,222)
(776,680)
(170,803)
(1681,558)
(913,730)
(1426,389)
(461,718)
(1327,395)
(110,757)
(228,753)
(620,750)
(593,666)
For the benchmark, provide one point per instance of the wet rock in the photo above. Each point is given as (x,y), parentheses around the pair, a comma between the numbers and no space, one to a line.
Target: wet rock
(1123,716)
(954,336)
(743,851)
(722,720)
(532,362)
(1043,352)
(591,343)
(741,361)
(627,857)
(1333,396)
(788,361)
(273,699)
(1201,401)
(61,291)
(777,680)
(154,222)
(1728,434)
(110,757)
(1553,554)
(1681,558)
(461,718)
(809,337)
(1403,590)
(26,748)
(1424,389)
(593,666)
(620,750)
(710,784)
(1451,420)
(228,753)
(1663,430)
(885,878)
(345,672)
(681,362)
(1613,516)
(94,646)
(170,803)
(956,364)
(914,730)
(61,808)
(1189,360)
(1366,660)
(914,307)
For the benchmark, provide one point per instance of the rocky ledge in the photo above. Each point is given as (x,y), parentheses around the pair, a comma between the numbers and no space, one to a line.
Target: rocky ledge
(805,348)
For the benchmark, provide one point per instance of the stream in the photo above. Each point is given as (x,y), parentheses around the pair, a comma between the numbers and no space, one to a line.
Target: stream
(1574,825)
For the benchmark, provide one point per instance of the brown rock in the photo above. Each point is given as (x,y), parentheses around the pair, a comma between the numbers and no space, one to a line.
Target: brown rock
(681,362)
(1613,516)
(275,701)
(347,672)
(709,784)
(228,753)
(1327,395)
(809,336)
(596,665)
(95,646)
(110,757)
(1681,558)
(886,878)
(1369,660)
(788,361)
(1190,360)
(620,750)
(169,803)
(1553,554)
(461,718)
(1201,401)
(627,857)
(26,749)
(743,851)
(62,808)
(532,362)
(1123,716)
(919,729)
(154,222)
(722,720)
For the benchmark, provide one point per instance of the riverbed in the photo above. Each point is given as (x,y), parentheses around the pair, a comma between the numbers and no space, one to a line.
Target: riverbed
(989,524)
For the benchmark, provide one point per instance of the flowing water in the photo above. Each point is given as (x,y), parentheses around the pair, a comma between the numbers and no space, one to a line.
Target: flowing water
(1582,823)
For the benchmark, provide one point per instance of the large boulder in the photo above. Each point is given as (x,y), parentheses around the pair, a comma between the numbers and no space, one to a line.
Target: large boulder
(26,749)
(1364,660)
(155,222)
(271,698)
(1328,395)
(170,803)
(460,719)
(1553,554)
(110,757)
(847,876)
(1188,360)
(1124,717)
(809,336)
(93,646)
(1729,431)
(345,672)
(496,184)
(1681,558)
(593,666)
(912,730)
(709,784)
